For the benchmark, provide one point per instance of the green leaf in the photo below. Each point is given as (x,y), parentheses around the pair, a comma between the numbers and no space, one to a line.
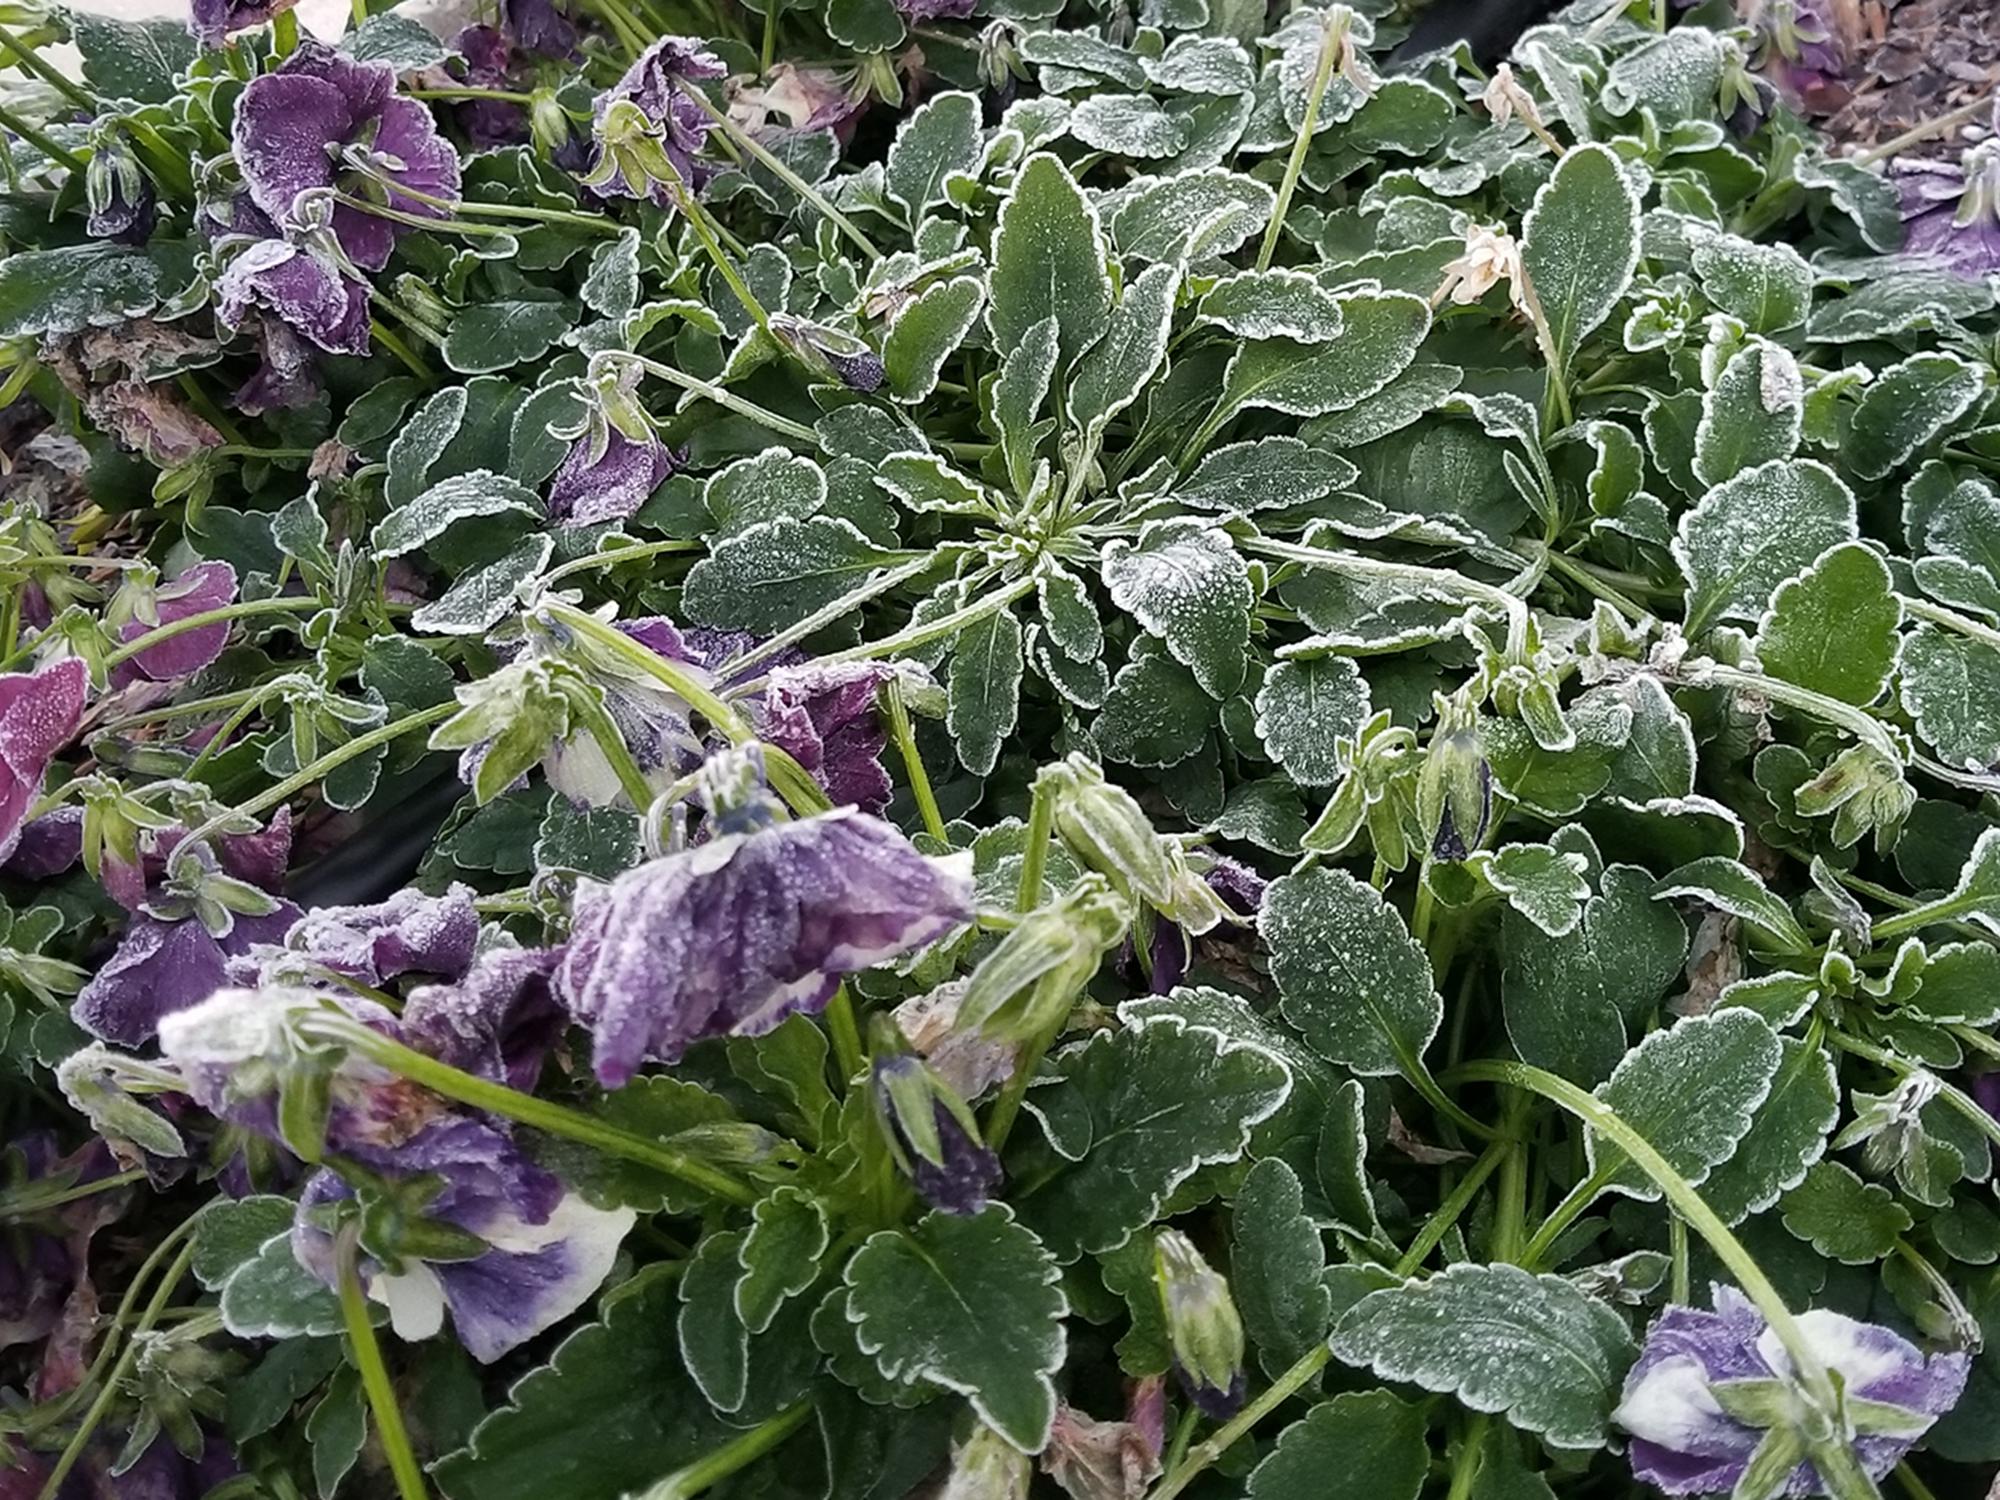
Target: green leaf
(1754,414)
(1833,627)
(499,335)
(602,842)
(773,574)
(232,1231)
(1207,211)
(1545,885)
(1184,581)
(1277,1265)
(780,1255)
(612,287)
(1844,1218)
(611,1411)
(421,443)
(983,689)
(1905,407)
(272,1296)
(1950,684)
(396,39)
(1768,287)
(1277,304)
(1732,886)
(971,1303)
(1135,1113)
(482,598)
(1026,374)
(715,1345)
(1117,370)
(940,137)
(925,482)
(1381,334)
(1691,1092)
(1307,706)
(1131,125)
(1579,247)
(1361,1445)
(776,484)
(1049,256)
(262,1398)
(74,287)
(1785,1140)
(1155,714)
(1533,1349)
(927,332)
(1750,533)
(1341,1159)
(658,1107)
(1263,474)
(131,59)
(462,497)
(1353,981)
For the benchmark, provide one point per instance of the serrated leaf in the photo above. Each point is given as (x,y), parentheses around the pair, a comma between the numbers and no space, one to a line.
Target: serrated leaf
(1754,414)
(1691,1092)
(1950,684)
(1135,1113)
(1277,1265)
(1354,982)
(1117,370)
(1579,247)
(983,689)
(1184,581)
(1155,713)
(1906,406)
(714,1343)
(1787,1137)
(336,1429)
(1026,375)
(1750,533)
(1049,256)
(480,599)
(775,573)
(271,1296)
(1207,211)
(657,1107)
(612,287)
(131,59)
(776,484)
(928,332)
(780,1255)
(1534,1349)
(1844,1218)
(462,497)
(1304,709)
(1544,885)
(1381,333)
(940,137)
(1768,287)
(1276,304)
(1263,474)
(74,287)
(1361,1445)
(970,1303)
(499,335)
(1133,125)
(1833,627)
(232,1232)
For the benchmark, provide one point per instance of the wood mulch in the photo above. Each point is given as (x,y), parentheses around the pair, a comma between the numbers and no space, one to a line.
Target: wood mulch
(1913,62)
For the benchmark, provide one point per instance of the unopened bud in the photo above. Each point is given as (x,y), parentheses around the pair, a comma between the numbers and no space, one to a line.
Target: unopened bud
(932,1135)
(1455,792)
(1029,982)
(1110,833)
(987,1467)
(1202,1325)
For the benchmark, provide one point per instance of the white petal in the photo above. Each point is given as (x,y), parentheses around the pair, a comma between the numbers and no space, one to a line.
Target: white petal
(415,1302)
(1670,1405)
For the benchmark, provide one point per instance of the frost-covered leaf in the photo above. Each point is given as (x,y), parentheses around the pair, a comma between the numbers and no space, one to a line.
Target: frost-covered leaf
(1277,1265)
(1117,370)
(1026,375)
(1265,473)
(927,333)
(1304,709)
(272,1296)
(1833,628)
(231,1232)
(1381,332)
(1204,212)
(1753,415)
(131,59)
(1135,1113)
(1049,256)
(1950,684)
(1275,304)
(74,287)
(1768,287)
(1184,581)
(1787,1137)
(1132,125)
(1155,714)
(940,137)
(1750,533)
(780,1255)
(775,484)
(1543,884)
(1691,1092)
(1905,407)
(462,497)
(500,335)
(1534,1349)
(482,598)
(1354,982)
(1844,1218)
(775,573)
(983,689)
(1732,886)
(1361,1445)
(970,1303)
(1579,245)
(612,287)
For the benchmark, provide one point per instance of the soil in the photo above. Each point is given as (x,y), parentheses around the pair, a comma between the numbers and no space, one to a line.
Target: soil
(1912,62)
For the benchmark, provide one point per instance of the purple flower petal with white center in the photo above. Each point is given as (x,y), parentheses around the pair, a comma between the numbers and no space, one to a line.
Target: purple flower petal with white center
(203,587)
(1683,1441)
(731,936)
(213,21)
(550,1249)
(39,713)
(46,846)
(499,1021)
(825,718)
(586,492)
(410,933)
(295,129)
(306,292)
(164,967)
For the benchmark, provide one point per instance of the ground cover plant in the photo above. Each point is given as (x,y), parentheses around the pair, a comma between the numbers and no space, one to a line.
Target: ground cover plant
(925,747)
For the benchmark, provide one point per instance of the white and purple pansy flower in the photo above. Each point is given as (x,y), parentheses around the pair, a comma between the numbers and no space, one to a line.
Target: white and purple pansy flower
(1951,214)
(759,920)
(546,1249)
(323,120)
(825,718)
(142,607)
(166,966)
(39,713)
(1699,1370)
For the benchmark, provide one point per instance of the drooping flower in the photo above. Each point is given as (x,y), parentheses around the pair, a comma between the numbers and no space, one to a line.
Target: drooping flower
(1701,1376)
(539,26)
(609,484)
(164,966)
(142,606)
(758,921)
(307,292)
(797,101)
(410,933)
(921,12)
(117,191)
(987,1467)
(849,359)
(970,1063)
(284,378)
(932,1135)
(39,712)
(1952,214)
(44,1259)
(825,718)
(323,120)
(1800,48)
(545,1250)
(1242,891)
(1203,1326)
(214,21)
(1095,1460)
(488,122)
(498,1020)
(1491,257)
(649,131)
(46,846)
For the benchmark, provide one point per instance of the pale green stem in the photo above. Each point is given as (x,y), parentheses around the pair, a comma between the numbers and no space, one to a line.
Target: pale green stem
(611,557)
(242,610)
(726,399)
(29,1201)
(913,636)
(737,1453)
(389,1429)
(602,728)
(819,619)
(1858,722)
(904,733)
(1329,55)
(1951,619)
(725,720)
(760,153)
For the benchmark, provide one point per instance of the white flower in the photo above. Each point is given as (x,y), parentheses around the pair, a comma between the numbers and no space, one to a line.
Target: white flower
(1491,256)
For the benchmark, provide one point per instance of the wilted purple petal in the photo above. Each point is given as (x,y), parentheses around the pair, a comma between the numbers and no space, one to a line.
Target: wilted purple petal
(499,1021)
(47,846)
(39,712)
(584,493)
(656,83)
(164,967)
(44,1260)
(488,122)
(310,295)
(261,858)
(825,718)
(732,936)
(203,587)
(921,11)
(284,378)
(410,933)
(214,21)
(538,26)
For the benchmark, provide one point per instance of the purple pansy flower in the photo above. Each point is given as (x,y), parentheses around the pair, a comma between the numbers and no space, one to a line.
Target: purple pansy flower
(213,21)
(933,1135)
(610,485)
(649,110)
(122,205)
(825,718)
(500,1020)
(729,937)
(203,587)
(488,123)
(919,12)
(1686,1443)
(39,712)
(166,966)
(537,26)
(1799,47)
(307,292)
(410,933)
(1242,891)
(46,846)
(1952,214)
(323,120)
(549,1249)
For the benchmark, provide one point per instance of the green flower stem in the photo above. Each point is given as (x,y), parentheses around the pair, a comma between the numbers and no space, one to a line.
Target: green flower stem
(589,707)
(1931,913)
(392,341)
(108,1392)
(169,165)
(367,1352)
(243,609)
(1914,1487)
(284,34)
(1035,848)
(910,637)
(1410,575)
(596,223)
(1465,1468)
(1681,1289)
(726,399)
(526,1109)
(1956,1097)
(38,1198)
(1951,619)
(819,619)
(418,221)
(725,720)
(1584,577)
(1034,862)
(904,733)
(771,163)
(505,96)
(61,156)
(705,231)
(1563,1215)
(737,1453)
(28,60)
(848,1054)
(1858,722)
(611,557)
(1329,55)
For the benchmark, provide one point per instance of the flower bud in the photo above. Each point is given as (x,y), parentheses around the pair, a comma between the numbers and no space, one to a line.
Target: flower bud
(1862,789)
(116,189)
(987,1467)
(932,1135)
(848,359)
(1110,833)
(1027,985)
(1455,791)
(1202,1325)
